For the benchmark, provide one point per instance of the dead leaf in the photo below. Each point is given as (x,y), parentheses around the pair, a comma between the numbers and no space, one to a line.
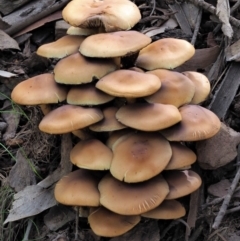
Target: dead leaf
(21,174)
(233,52)
(210,156)
(219,189)
(223,13)
(6,74)
(30,201)
(7,42)
(170,24)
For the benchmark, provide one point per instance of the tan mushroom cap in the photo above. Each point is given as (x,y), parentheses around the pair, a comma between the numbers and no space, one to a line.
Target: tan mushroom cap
(182,157)
(167,53)
(181,183)
(176,88)
(61,48)
(87,94)
(132,198)
(76,69)
(148,117)
(116,44)
(81,31)
(109,121)
(140,156)
(168,209)
(78,188)
(68,118)
(41,89)
(91,154)
(129,83)
(106,223)
(113,15)
(202,86)
(198,123)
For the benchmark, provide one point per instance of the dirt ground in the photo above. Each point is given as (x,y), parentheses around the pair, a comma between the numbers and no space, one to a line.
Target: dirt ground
(21,139)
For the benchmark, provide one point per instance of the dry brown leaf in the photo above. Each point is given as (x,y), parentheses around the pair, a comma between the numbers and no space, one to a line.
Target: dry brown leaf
(223,13)
(233,52)
(7,42)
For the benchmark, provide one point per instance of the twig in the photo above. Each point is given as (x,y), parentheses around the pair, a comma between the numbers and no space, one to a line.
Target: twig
(228,197)
(197,26)
(29,226)
(153,8)
(210,8)
(196,234)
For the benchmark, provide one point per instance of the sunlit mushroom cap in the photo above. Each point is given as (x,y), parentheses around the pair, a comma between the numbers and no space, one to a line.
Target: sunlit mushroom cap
(109,121)
(61,48)
(182,157)
(76,69)
(106,223)
(168,209)
(166,53)
(132,198)
(140,156)
(176,88)
(81,31)
(78,188)
(148,117)
(91,154)
(87,94)
(181,183)
(41,89)
(68,118)
(129,83)
(202,86)
(198,123)
(116,44)
(113,15)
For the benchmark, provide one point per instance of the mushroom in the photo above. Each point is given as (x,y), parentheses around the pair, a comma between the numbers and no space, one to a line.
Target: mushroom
(68,118)
(148,117)
(106,223)
(198,123)
(166,53)
(40,90)
(132,198)
(91,154)
(140,156)
(61,48)
(81,31)
(112,15)
(176,88)
(77,69)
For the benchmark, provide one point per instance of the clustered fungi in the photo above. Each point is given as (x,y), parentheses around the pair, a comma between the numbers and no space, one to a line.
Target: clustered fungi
(118,84)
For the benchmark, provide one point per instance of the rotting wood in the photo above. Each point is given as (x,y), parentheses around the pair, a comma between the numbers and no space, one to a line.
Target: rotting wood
(31,13)
(227,91)
(7,6)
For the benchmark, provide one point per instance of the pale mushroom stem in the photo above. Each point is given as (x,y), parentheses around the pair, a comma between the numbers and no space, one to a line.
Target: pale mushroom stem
(81,134)
(45,108)
(77,222)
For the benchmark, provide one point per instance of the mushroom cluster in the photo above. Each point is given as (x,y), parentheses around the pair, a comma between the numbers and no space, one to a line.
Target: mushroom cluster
(131,111)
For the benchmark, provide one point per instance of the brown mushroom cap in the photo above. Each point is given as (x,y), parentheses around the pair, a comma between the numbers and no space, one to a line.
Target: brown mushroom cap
(202,86)
(106,223)
(78,188)
(176,88)
(68,118)
(87,94)
(167,53)
(148,117)
(116,44)
(129,83)
(132,198)
(76,69)
(113,15)
(61,48)
(140,156)
(181,183)
(41,89)
(109,121)
(198,123)
(182,157)
(168,209)
(91,154)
